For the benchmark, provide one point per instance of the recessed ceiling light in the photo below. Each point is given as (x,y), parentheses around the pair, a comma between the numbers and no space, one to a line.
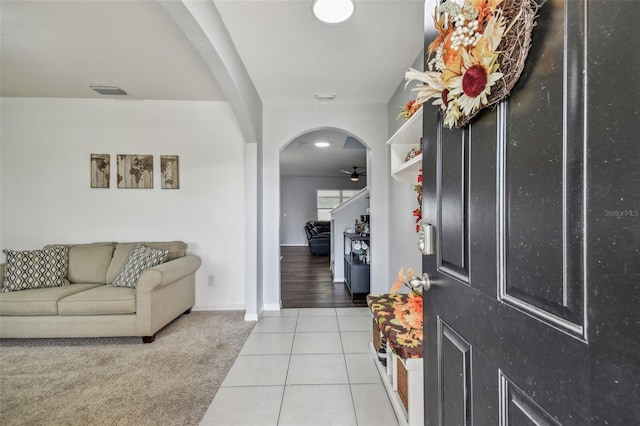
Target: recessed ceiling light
(109,90)
(333,11)
(322,144)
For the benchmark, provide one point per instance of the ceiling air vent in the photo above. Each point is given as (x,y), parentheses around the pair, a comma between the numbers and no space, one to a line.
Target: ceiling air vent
(109,90)
(327,95)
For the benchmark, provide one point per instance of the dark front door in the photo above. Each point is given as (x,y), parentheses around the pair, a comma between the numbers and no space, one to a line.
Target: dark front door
(534,318)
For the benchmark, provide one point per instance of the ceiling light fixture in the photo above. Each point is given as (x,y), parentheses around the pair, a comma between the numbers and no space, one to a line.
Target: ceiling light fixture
(333,11)
(354,178)
(322,144)
(109,90)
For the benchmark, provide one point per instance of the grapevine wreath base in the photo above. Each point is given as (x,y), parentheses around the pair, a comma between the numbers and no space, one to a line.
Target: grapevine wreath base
(477,57)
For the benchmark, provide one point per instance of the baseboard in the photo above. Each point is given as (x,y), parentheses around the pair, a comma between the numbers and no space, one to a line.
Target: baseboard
(271,307)
(251,317)
(219,308)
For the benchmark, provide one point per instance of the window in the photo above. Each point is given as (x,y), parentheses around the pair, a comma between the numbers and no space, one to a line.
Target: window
(328,199)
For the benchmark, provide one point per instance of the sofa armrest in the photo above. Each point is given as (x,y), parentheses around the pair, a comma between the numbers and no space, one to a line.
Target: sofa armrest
(168,272)
(164,292)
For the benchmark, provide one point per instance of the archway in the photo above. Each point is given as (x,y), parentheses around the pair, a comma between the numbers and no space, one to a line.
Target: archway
(319,169)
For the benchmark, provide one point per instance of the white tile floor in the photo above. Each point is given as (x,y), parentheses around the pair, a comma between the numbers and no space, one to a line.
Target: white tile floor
(304,367)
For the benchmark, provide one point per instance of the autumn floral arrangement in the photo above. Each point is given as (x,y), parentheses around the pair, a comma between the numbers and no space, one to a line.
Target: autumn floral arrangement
(417,213)
(409,109)
(477,57)
(409,314)
(399,315)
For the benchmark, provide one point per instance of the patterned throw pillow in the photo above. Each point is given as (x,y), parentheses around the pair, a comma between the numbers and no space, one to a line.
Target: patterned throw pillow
(36,268)
(140,259)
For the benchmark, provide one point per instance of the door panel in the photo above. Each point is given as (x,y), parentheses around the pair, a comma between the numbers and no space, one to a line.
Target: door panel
(546,363)
(518,409)
(541,186)
(452,197)
(454,365)
(482,196)
(533,315)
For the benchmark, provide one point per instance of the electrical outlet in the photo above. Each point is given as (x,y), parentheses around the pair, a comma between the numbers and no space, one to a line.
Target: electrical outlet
(212,280)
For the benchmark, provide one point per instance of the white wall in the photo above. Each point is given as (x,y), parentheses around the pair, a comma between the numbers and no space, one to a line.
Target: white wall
(46,194)
(298,203)
(1,242)
(251,231)
(403,238)
(282,123)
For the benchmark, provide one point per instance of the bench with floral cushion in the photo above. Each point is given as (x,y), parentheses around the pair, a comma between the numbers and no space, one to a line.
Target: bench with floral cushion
(390,311)
(398,332)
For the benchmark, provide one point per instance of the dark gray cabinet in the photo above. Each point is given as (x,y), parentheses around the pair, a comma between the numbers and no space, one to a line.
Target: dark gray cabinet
(356,263)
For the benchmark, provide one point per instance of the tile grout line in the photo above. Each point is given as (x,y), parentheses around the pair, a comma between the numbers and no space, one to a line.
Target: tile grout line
(346,367)
(286,376)
(292,351)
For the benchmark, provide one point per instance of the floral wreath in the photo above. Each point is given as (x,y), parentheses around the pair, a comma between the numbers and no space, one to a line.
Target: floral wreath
(477,57)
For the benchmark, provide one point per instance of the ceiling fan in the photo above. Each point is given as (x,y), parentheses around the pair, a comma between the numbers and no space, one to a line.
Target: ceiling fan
(354,175)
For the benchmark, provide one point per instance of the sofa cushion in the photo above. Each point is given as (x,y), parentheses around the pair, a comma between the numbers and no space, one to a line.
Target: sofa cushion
(41,301)
(103,300)
(140,259)
(123,250)
(88,263)
(35,268)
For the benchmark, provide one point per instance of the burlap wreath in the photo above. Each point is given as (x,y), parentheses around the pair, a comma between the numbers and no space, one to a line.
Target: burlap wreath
(518,20)
(514,47)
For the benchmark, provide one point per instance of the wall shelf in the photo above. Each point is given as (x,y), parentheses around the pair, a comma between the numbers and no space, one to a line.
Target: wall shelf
(407,137)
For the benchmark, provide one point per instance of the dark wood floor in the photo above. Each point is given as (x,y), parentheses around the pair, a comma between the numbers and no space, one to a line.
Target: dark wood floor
(306,282)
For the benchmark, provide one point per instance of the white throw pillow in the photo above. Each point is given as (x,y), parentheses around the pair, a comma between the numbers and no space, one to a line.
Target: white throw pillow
(140,259)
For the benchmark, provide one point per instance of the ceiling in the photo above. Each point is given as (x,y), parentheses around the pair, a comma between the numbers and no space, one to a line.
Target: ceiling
(302,158)
(290,55)
(59,48)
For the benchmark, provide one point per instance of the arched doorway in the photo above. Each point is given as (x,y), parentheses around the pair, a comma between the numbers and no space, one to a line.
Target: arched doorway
(319,169)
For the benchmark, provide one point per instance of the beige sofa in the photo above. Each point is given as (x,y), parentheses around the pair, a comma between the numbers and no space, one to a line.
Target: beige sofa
(91,307)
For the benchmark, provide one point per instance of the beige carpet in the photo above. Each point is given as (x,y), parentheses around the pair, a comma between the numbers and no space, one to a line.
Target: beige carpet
(121,381)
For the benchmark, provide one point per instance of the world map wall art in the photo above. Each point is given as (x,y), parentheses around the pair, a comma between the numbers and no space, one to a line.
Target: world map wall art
(169,173)
(100,165)
(135,171)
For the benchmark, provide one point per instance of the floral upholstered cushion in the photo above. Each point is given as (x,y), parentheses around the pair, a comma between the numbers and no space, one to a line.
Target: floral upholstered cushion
(400,320)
